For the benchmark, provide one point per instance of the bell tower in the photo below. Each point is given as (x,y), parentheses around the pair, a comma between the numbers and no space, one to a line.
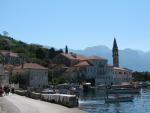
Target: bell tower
(115,54)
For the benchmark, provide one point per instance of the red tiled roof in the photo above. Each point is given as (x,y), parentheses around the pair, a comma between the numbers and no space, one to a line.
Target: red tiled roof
(56,66)
(74,56)
(8,67)
(8,53)
(81,57)
(69,56)
(30,66)
(95,58)
(84,63)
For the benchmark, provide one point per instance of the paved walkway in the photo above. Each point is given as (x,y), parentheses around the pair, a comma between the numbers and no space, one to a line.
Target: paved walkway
(20,104)
(7,107)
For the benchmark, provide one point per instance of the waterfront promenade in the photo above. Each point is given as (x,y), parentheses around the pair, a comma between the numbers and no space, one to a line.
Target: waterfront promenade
(20,104)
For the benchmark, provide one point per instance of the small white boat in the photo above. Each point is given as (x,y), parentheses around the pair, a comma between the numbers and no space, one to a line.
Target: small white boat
(119,99)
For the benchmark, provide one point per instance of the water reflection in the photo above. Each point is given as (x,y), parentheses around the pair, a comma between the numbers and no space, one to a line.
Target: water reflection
(93,102)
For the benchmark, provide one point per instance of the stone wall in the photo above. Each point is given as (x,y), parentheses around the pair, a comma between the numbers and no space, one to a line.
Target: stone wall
(62,99)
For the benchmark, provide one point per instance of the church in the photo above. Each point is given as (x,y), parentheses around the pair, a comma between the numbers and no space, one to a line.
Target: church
(114,74)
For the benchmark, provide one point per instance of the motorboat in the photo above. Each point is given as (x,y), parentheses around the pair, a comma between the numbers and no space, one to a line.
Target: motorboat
(119,99)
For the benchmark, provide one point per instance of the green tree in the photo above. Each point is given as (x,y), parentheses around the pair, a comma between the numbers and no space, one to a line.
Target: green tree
(40,53)
(4,45)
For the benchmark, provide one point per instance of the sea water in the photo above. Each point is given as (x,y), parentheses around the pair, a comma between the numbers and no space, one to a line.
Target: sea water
(94,102)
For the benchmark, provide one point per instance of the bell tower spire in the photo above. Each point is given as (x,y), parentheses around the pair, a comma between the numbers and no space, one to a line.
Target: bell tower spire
(66,49)
(115,54)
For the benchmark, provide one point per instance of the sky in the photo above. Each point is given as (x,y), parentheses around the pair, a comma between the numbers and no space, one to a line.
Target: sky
(78,23)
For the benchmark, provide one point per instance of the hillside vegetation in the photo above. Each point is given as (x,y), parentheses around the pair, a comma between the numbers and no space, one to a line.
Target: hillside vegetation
(141,76)
(31,52)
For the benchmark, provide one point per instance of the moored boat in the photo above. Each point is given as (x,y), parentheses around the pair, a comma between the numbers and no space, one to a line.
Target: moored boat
(123,90)
(123,86)
(143,84)
(119,99)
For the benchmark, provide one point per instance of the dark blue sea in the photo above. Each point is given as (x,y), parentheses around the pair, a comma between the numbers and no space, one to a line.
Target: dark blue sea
(93,102)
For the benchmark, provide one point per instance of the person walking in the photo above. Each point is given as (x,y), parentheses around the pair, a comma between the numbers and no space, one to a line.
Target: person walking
(8,90)
(5,90)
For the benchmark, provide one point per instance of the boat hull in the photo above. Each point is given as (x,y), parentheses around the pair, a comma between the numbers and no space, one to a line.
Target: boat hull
(119,99)
(123,91)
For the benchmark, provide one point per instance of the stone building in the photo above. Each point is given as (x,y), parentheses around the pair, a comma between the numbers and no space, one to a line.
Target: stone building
(4,77)
(31,75)
(121,75)
(98,67)
(68,59)
(114,74)
(8,57)
(88,67)
(8,69)
(78,71)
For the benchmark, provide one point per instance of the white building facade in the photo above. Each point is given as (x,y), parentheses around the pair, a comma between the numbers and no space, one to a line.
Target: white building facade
(114,75)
